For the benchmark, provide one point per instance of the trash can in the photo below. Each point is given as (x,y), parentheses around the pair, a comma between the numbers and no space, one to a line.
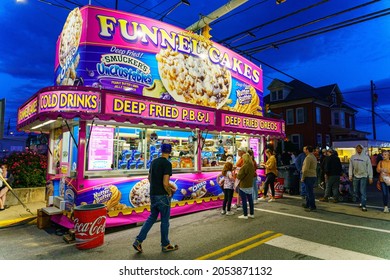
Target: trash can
(291,178)
(89,225)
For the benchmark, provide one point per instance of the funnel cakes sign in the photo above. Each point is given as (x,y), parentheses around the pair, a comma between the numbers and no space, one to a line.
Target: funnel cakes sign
(109,49)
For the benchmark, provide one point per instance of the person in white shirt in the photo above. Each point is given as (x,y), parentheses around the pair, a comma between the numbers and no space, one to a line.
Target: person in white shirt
(360,169)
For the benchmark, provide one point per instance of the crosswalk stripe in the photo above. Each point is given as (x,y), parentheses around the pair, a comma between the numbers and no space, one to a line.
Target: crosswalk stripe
(242,250)
(317,250)
(220,251)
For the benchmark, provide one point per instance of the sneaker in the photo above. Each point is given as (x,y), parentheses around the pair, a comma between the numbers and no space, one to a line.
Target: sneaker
(243,217)
(256,202)
(234,206)
(271,200)
(310,209)
(386,210)
(223,212)
(137,246)
(262,198)
(169,248)
(229,213)
(364,209)
(251,216)
(239,207)
(324,199)
(360,205)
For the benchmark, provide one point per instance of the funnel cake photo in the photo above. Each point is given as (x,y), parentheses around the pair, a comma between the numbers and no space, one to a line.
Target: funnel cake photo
(140,194)
(194,79)
(70,36)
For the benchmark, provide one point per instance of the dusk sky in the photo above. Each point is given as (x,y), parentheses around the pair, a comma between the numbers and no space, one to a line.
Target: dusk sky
(346,42)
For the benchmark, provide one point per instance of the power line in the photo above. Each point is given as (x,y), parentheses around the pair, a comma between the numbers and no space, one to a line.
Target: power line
(239,12)
(308,23)
(319,31)
(272,21)
(368,110)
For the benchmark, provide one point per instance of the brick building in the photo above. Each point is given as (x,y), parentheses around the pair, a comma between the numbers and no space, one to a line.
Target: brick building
(313,116)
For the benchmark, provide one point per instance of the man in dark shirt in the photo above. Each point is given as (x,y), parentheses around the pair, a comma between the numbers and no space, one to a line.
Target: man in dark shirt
(298,165)
(160,198)
(333,170)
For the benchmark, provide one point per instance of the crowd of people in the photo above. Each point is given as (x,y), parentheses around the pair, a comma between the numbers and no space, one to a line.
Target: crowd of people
(320,168)
(361,172)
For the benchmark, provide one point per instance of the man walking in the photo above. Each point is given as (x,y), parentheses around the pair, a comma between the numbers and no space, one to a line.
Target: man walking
(160,199)
(333,170)
(309,177)
(359,170)
(298,164)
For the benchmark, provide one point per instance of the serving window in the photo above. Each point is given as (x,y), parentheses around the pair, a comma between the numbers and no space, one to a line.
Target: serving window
(219,148)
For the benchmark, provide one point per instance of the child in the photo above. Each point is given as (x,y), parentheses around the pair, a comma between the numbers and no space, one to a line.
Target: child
(226,180)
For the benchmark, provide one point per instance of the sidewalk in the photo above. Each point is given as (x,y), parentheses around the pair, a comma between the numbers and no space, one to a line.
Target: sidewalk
(17,214)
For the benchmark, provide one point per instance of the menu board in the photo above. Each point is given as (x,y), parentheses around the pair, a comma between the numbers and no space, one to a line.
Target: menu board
(254,145)
(101,148)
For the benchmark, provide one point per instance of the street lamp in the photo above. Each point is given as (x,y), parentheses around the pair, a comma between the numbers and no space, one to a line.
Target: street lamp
(186,2)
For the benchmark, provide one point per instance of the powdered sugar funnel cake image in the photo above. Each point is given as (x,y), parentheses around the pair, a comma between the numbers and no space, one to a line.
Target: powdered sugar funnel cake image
(140,194)
(194,79)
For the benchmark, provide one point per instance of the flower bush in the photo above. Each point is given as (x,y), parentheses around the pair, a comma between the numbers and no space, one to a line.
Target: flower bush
(28,168)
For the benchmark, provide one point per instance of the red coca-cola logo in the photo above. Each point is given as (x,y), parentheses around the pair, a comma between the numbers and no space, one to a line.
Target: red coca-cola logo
(91,228)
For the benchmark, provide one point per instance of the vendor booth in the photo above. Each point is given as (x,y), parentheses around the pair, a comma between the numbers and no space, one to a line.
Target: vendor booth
(346,149)
(125,84)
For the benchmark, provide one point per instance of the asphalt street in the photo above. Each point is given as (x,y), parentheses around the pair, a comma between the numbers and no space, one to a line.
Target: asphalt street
(282,230)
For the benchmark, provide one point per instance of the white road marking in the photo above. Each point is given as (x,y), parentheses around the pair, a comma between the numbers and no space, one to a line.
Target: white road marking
(323,221)
(317,250)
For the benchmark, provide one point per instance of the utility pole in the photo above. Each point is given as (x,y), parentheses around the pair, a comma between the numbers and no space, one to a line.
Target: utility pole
(373,100)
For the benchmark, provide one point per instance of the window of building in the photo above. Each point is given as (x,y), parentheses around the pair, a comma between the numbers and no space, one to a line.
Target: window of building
(300,115)
(327,139)
(319,139)
(296,139)
(276,95)
(289,116)
(280,94)
(350,122)
(342,119)
(336,118)
(318,115)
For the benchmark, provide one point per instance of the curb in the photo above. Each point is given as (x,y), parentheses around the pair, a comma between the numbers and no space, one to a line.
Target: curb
(17,222)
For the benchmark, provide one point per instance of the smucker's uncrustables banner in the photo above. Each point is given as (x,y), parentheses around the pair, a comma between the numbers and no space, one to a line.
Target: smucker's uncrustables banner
(110,49)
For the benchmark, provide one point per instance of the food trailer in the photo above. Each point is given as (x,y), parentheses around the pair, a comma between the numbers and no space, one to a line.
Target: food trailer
(346,149)
(124,84)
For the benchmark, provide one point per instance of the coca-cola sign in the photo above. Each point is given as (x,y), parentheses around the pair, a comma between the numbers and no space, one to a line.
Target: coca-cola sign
(91,228)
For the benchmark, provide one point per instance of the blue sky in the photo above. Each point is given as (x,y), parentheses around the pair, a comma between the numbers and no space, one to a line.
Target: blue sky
(350,56)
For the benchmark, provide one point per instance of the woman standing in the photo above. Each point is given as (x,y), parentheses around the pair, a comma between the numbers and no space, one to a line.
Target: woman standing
(245,175)
(226,180)
(270,172)
(255,193)
(383,169)
(3,188)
